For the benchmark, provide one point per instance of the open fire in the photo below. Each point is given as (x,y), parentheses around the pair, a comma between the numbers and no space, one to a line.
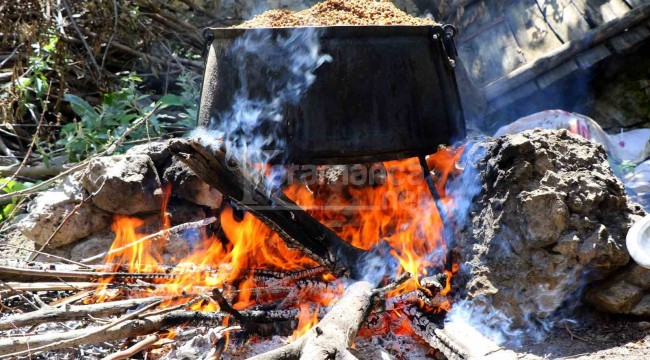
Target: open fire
(254,268)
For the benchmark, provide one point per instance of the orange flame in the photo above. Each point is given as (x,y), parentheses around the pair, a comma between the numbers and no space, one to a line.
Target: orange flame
(306,321)
(399,212)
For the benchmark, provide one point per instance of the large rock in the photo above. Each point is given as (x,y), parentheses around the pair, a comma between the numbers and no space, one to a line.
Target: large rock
(627,292)
(549,217)
(157,151)
(186,185)
(124,184)
(49,209)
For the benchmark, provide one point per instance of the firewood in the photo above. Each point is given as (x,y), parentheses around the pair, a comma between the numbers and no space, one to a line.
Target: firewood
(138,347)
(333,335)
(74,312)
(456,339)
(431,332)
(157,235)
(17,287)
(294,225)
(146,325)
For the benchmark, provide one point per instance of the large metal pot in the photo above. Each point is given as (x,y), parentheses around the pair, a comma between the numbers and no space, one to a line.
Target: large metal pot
(389,93)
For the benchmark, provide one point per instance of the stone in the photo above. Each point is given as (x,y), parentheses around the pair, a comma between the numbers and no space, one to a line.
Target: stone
(49,209)
(642,308)
(95,244)
(157,151)
(568,244)
(547,216)
(543,230)
(176,249)
(124,184)
(638,276)
(186,185)
(181,212)
(620,297)
(642,325)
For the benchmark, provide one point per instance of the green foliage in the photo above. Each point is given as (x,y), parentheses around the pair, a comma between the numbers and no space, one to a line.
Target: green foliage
(190,85)
(10,186)
(30,89)
(100,126)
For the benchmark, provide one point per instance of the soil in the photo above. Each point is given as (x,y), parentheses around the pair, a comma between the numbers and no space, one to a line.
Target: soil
(596,336)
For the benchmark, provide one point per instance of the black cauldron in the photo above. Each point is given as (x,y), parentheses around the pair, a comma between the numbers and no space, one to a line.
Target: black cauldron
(389,92)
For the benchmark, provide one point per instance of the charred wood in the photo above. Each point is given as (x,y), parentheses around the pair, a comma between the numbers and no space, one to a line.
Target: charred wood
(72,312)
(333,335)
(250,191)
(9,347)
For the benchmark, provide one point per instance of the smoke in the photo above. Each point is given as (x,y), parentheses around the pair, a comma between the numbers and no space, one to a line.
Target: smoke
(275,70)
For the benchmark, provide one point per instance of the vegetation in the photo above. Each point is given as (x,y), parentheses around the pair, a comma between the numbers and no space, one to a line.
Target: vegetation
(77,76)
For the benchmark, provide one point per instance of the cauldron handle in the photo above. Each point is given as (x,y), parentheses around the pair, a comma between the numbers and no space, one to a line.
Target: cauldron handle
(446,34)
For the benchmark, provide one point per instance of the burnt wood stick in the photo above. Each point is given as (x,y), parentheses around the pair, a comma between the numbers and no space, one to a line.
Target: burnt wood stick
(72,312)
(9,346)
(294,225)
(7,272)
(432,333)
(335,333)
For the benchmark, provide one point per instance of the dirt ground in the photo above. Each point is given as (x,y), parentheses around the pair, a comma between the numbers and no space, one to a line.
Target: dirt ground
(595,336)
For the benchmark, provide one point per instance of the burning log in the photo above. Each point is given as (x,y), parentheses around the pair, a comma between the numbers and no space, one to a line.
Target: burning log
(455,339)
(333,335)
(296,227)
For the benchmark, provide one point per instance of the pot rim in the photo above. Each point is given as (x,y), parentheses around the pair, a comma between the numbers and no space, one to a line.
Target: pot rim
(336,31)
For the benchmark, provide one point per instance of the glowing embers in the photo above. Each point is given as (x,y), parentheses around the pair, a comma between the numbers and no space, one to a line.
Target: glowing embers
(252,266)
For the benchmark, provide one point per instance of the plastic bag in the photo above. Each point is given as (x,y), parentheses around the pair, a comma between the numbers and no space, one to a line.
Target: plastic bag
(637,183)
(559,119)
(633,145)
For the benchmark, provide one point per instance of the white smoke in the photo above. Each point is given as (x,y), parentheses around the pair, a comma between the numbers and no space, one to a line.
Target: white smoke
(252,129)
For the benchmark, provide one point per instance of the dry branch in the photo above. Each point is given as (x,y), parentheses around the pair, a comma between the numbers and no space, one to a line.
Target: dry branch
(128,329)
(7,272)
(138,347)
(294,225)
(15,287)
(74,312)
(333,335)
(158,235)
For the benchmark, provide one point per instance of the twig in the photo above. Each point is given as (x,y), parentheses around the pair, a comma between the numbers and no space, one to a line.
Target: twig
(68,216)
(573,336)
(19,288)
(73,341)
(44,254)
(81,37)
(74,312)
(33,143)
(110,39)
(108,151)
(159,234)
(138,347)
(225,306)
